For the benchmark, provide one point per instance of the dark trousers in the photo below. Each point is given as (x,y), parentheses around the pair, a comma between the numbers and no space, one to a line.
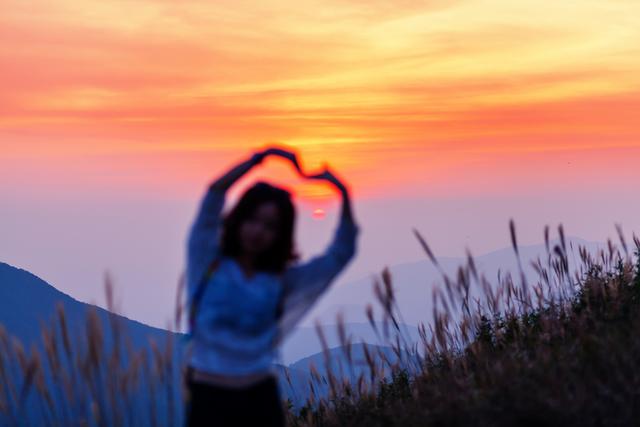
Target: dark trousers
(215,406)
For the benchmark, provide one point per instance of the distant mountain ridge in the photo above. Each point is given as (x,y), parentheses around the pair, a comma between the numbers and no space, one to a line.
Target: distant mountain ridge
(27,302)
(413,282)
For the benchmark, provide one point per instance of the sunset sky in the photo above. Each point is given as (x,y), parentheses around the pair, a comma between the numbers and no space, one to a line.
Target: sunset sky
(448,115)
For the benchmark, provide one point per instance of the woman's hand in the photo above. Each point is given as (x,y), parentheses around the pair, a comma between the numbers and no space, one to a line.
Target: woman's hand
(232,175)
(327,175)
(282,152)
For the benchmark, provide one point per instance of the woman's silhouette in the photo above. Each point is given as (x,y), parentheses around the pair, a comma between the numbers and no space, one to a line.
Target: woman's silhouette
(249,294)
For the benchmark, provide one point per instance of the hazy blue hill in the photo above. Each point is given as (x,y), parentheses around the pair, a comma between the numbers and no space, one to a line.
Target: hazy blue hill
(414,281)
(26,301)
(304,340)
(341,368)
(338,361)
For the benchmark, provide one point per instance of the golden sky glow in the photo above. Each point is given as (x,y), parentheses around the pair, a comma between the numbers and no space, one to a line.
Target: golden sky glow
(435,97)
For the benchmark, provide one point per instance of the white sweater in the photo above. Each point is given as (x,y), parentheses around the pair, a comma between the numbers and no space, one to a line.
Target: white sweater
(236,331)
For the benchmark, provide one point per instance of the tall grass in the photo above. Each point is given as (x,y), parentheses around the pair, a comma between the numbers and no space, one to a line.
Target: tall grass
(496,352)
(559,351)
(90,374)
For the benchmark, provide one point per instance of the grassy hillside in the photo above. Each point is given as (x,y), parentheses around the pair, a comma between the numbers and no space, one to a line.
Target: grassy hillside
(563,351)
(559,350)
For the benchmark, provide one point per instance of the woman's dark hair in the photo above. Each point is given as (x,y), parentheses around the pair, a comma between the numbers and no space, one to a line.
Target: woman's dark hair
(276,258)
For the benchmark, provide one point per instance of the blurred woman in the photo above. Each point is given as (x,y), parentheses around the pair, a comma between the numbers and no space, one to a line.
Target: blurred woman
(248,291)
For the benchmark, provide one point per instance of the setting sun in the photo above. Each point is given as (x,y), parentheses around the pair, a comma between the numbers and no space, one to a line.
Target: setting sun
(318,213)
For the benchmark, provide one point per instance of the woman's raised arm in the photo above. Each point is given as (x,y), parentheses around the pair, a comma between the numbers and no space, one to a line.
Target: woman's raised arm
(203,239)
(304,283)
(232,175)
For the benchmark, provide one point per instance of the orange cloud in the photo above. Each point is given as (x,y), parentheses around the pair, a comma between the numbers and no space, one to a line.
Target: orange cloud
(438,98)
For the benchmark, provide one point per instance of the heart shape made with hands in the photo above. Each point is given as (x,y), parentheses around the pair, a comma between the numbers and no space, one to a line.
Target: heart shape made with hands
(293,159)
(307,175)
(325,175)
